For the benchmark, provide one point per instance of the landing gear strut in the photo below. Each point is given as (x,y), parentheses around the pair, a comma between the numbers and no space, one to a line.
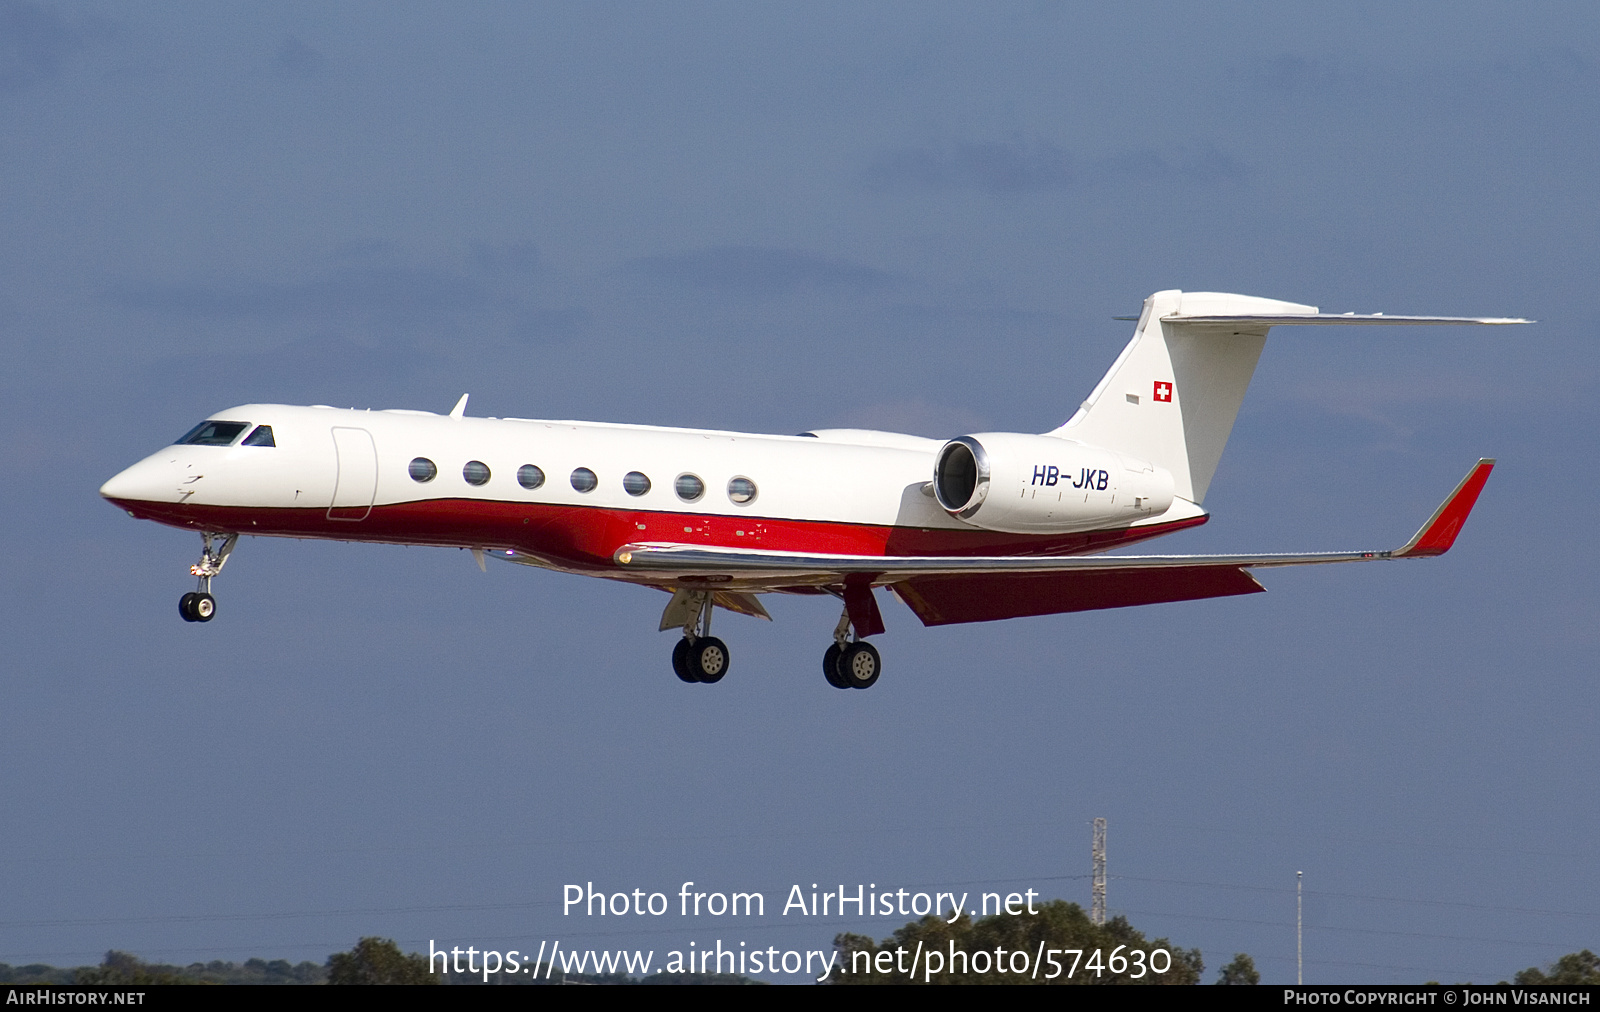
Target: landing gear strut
(850,665)
(699,656)
(198,605)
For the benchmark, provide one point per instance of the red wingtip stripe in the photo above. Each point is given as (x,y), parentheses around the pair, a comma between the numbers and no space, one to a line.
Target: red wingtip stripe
(1440,532)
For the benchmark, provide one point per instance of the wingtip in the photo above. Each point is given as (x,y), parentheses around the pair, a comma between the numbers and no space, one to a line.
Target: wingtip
(1438,535)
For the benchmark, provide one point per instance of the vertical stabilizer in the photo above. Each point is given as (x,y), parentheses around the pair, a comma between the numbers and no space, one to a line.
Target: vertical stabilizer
(1172,396)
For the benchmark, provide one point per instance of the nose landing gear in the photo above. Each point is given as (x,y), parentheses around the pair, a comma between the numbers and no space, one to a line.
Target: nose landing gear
(198,605)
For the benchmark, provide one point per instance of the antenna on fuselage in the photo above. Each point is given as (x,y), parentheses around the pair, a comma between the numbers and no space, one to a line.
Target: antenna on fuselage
(460,410)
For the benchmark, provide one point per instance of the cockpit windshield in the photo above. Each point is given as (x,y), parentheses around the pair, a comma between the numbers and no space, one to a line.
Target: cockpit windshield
(213,433)
(261,437)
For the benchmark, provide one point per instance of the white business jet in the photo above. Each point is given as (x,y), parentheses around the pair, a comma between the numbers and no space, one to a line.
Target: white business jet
(980,527)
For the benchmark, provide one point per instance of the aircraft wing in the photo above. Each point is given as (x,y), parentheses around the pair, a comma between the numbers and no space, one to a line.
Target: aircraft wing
(945,589)
(1313,319)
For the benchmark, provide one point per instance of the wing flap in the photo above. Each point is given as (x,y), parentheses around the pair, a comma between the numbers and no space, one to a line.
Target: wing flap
(947,600)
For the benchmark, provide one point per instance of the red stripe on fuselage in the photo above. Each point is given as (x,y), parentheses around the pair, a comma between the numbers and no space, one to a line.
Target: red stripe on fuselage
(585,537)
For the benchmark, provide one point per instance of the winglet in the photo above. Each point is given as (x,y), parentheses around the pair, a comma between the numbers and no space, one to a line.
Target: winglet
(1439,533)
(460,410)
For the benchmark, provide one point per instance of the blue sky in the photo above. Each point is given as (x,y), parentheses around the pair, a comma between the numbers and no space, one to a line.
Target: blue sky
(909,216)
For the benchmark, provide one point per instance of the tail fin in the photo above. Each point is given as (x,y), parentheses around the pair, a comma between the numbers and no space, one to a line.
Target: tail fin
(1172,396)
(1173,393)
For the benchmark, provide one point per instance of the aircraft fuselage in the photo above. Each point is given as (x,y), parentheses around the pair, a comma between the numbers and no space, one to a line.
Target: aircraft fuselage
(353,475)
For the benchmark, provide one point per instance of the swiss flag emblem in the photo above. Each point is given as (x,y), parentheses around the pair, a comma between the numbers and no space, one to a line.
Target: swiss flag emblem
(1163,391)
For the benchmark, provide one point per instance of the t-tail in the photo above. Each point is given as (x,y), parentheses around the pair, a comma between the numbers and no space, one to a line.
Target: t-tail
(1172,396)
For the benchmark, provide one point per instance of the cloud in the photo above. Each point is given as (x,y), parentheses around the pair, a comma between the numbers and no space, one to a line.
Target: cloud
(1554,66)
(762,271)
(320,369)
(1365,396)
(923,316)
(1291,75)
(516,256)
(1009,168)
(544,324)
(1526,78)
(367,301)
(999,167)
(1204,164)
(33,43)
(915,416)
(359,291)
(296,59)
(1392,404)
(364,249)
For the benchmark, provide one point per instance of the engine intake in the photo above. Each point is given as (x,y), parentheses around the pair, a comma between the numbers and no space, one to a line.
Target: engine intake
(961,476)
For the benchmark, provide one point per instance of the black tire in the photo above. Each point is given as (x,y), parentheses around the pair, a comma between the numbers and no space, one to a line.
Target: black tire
(186,606)
(860,665)
(680,661)
(204,607)
(830,667)
(708,659)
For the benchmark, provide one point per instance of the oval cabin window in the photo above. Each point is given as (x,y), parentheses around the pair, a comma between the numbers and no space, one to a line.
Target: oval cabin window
(584,480)
(742,491)
(476,472)
(635,483)
(689,487)
(530,476)
(422,469)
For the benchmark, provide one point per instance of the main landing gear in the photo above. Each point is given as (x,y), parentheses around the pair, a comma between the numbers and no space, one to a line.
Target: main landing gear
(198,605)
(850,665)
(699,656)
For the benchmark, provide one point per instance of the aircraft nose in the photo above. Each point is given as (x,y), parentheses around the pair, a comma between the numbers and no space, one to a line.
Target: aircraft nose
(144,480)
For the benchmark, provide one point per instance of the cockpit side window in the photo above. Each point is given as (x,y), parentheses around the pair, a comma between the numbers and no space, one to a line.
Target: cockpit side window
(261,437)
(213,433)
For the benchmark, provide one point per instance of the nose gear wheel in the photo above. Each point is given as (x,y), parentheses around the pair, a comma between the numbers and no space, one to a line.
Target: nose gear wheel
(197,607)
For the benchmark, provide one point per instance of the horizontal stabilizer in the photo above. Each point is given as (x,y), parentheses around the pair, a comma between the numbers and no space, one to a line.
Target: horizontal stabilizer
(1172,397)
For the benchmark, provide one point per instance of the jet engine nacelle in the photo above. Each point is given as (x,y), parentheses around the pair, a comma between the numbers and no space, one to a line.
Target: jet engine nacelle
(1023,484)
